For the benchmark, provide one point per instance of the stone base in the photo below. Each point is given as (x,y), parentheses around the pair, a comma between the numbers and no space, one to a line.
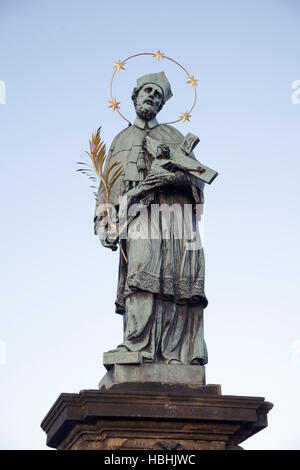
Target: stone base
(127,357)
(153,416)
(154,372)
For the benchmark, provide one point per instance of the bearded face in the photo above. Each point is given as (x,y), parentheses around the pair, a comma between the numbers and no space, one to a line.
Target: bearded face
(149,101)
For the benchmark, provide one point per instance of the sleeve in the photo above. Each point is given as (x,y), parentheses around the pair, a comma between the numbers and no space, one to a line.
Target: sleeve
(184,179)
(197,185)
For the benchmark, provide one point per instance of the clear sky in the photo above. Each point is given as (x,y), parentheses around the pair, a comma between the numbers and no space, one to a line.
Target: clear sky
(58,284)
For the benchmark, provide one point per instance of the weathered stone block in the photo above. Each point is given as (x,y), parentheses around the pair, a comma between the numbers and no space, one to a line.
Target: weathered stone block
(149,373)
(112,358)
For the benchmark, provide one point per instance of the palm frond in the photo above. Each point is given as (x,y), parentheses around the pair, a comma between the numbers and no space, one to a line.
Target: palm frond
(92,163)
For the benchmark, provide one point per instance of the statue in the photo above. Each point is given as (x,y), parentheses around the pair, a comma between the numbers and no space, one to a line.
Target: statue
(160,289)
(154,394)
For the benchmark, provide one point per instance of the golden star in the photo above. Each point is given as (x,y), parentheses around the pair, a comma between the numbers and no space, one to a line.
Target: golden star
(185,116)
(192,81)
(158,55)
(114,104)
(119,66)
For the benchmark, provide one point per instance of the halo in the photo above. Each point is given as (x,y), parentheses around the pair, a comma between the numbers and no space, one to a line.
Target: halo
(118,66)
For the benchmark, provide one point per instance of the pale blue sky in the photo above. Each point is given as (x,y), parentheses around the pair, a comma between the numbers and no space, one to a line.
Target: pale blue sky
(58,283)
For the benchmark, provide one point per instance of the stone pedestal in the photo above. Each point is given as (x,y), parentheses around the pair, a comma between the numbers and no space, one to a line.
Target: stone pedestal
(171,374)
(153,416)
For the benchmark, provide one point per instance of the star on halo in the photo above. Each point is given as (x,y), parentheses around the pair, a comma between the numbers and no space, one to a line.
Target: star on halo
(192,81)
(158,55)
(119,66)
(185,116)
(114,104)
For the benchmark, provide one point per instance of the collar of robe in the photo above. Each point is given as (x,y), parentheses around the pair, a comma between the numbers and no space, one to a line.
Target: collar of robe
(141,123)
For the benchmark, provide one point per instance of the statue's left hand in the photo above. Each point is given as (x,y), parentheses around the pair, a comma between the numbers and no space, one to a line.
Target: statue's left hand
(159,177)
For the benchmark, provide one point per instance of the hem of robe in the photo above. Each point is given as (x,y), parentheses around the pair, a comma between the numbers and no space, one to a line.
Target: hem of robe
(181,291)
(167,332)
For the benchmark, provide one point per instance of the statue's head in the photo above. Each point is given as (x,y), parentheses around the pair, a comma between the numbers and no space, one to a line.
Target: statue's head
(150,94)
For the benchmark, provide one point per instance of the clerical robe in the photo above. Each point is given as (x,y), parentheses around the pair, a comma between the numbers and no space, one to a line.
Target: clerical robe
(161,287)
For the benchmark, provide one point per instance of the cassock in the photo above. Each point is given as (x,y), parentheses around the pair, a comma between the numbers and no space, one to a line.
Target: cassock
(161,288)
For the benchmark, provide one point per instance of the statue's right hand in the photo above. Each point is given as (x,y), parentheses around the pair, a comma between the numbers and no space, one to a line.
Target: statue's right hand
(101,230)
(108,244)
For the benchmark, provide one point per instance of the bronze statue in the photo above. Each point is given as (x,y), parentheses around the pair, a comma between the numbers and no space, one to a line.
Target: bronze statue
(161,279)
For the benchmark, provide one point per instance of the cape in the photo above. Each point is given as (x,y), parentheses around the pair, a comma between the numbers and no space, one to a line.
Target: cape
(126,148)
